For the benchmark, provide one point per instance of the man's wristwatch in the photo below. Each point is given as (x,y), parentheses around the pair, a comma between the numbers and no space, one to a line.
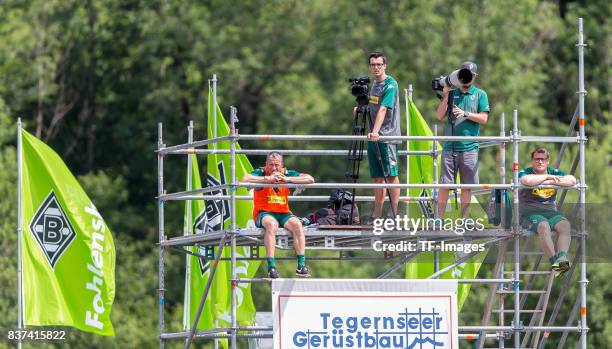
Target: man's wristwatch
(466,114)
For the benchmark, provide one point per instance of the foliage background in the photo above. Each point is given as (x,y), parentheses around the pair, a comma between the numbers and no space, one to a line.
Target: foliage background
(93,78)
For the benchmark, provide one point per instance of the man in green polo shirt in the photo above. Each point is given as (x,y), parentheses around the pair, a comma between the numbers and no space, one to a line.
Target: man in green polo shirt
(538,208)
(470,110)
(383,120)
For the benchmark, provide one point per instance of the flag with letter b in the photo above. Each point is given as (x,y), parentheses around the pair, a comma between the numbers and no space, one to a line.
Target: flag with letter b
(68,251)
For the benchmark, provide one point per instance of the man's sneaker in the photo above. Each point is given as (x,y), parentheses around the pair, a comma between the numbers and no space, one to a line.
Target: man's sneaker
(273,273)
(554,263)
(555,266)
(563,265)
(302,272)
(369,221)
(438,224)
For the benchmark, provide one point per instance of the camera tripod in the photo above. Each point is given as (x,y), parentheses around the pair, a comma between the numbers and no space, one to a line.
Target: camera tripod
(355,153)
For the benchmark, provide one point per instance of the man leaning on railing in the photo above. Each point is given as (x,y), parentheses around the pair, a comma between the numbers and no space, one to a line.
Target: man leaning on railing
(538,208)
(271,210)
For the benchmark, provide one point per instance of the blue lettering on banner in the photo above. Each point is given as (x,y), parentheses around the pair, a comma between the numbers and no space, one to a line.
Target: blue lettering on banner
(412,330)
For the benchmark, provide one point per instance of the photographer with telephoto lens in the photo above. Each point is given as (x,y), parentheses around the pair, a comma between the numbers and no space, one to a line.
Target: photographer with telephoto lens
(465,107)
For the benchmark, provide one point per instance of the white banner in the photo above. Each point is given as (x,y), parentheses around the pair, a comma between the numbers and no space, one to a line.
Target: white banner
(414,314)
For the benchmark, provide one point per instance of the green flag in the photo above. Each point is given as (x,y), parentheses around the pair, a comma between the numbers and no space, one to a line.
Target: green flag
(198,269)
(68,251)
(219,173)
(421,171)
(214,216)
(421,167)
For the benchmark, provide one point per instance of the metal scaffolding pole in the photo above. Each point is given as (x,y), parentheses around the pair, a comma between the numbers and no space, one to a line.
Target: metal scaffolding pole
(19,233)
(218,332)
(485,140)
(460,281)
(186,232)
(208,189)
(413,185)
(502,166)
(214,111)
(517,261)
(581,123)
(383,185)
(502,180)
(304,198)
(434,149)
(234,181)
(263,152)
(408,97)
(187,148)
(160,217)
(329,138)
(523,329)
(195,194)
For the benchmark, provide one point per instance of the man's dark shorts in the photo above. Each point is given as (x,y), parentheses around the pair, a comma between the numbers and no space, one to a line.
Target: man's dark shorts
(531,220)
(388,154)
(281,218)
(466,163)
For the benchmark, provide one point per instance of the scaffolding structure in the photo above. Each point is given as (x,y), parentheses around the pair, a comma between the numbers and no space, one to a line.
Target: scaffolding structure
(533,335)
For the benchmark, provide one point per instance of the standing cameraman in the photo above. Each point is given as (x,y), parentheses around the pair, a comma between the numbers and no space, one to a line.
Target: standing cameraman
(383,120)
(470,110)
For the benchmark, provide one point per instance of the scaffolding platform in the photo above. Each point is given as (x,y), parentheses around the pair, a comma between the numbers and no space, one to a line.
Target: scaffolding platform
(516,283)
(340,237)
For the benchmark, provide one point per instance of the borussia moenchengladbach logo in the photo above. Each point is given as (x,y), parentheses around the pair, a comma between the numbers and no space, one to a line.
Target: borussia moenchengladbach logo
(214,214)
(51,228)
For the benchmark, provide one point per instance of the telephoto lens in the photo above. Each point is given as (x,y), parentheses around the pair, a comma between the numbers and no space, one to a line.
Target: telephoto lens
(457,78)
